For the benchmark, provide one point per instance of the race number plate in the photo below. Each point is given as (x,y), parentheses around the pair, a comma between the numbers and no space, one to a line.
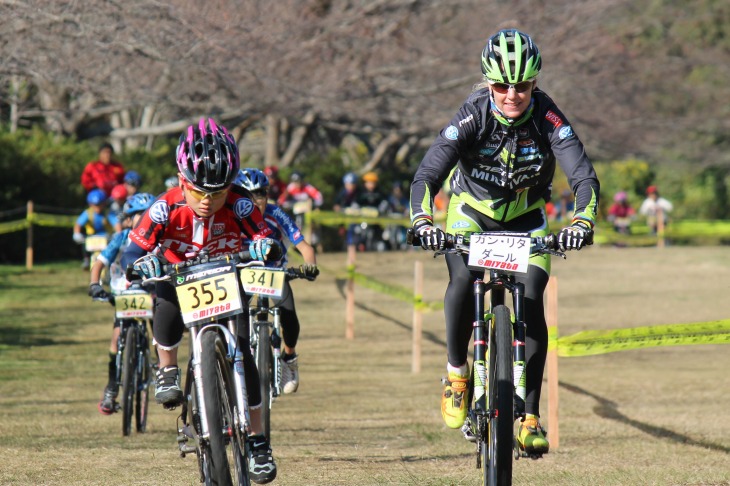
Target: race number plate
(95,243)
(262,281)
(133,304)
(507,252)
(208,294)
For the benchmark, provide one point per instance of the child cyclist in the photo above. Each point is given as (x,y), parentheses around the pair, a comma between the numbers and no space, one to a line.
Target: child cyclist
(201,214)
(95,220)
(130,215)
(282,225)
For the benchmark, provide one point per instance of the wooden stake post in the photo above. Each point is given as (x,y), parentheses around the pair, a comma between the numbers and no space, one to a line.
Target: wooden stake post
(417,318)
(29,240)
(350,294)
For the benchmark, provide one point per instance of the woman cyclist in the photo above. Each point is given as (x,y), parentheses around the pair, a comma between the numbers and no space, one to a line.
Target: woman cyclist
(499,152)
(282,225)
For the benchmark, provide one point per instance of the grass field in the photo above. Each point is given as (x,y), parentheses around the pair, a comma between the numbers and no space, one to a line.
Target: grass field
(647,417)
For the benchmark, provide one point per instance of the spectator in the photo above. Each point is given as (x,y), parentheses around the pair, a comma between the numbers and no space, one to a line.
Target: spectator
(370,196)
(621,214)
(132,181)
(104,173)
(347,197)
(398,199)
(277,187)
(654,206)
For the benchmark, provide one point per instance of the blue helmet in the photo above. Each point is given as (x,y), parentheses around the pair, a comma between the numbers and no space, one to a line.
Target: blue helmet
(133,179)
(252,179)
(138,203)
(349,178)
(96,197)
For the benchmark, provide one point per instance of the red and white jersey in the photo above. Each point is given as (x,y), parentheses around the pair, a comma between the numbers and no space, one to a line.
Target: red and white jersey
(179,234)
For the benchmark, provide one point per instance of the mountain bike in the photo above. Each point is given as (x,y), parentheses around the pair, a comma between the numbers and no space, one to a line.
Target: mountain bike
(214,421)
(133,310)
(265,335)
(496,396)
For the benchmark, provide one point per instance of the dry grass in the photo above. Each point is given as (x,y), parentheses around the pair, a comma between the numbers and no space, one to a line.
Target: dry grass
(649,417)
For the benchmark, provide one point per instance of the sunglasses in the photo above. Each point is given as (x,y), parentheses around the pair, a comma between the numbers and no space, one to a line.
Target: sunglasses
(260,194)
(200,195)
(503,88)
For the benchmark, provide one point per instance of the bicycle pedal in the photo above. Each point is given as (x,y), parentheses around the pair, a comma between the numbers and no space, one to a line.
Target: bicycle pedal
(468,433)
(170,406)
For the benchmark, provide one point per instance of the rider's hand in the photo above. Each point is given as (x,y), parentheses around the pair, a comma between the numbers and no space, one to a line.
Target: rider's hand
(309,270)
(264,249)
(79,238)
(575,236)
(148,266)
(96,291)
(432,238)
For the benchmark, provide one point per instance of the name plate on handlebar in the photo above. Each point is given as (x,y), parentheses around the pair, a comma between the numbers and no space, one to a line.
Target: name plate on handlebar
(506,252)
(262,281)
(207,294)
(130,304)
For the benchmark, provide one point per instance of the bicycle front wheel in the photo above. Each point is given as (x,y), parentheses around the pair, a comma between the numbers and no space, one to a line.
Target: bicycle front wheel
(500,429)
(225,456)
(264,363)
(144,379)
(129,375)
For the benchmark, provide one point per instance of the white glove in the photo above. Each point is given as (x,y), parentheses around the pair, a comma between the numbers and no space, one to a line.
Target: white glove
(79,238)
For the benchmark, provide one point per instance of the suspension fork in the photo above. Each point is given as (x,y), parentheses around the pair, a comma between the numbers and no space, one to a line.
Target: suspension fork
(480,345)
(276,344)
(520,330)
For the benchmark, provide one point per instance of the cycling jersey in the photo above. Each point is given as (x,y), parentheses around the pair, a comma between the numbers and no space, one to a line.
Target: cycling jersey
(102,176)
(180,234)
(504,171)
(301,193)
(281,224)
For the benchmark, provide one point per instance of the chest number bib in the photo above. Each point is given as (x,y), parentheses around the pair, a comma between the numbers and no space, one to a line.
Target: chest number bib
(262,281)
(209,294)
(507,252)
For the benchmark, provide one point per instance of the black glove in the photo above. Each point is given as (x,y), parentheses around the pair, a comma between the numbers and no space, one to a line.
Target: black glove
(310,271)
(432,238)
(96,291)
(575,236)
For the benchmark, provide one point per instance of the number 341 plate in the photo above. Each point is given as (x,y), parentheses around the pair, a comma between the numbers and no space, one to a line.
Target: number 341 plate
(262,281)
(507,252)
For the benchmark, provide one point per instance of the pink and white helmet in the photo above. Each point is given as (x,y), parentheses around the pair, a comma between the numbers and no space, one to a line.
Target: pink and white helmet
(207,156)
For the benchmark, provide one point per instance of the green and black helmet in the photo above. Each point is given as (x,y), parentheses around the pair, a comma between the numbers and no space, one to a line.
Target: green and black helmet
(511,57)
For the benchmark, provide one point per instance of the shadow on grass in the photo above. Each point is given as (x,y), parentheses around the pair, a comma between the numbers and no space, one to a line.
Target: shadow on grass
(427,335)
(609,410)
(33,336)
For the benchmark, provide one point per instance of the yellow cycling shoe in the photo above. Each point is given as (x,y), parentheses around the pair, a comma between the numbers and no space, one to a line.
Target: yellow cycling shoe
(531,437)
(454,399)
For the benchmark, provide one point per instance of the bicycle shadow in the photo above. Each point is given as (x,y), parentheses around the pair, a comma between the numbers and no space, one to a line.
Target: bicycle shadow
(608,409)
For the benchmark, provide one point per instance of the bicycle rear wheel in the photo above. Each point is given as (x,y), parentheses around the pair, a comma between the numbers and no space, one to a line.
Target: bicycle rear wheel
(497,454)
(226,457)
(129,375)
(264,363)
(144,379)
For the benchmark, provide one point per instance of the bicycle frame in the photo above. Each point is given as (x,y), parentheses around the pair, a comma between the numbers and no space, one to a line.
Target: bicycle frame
(258,316)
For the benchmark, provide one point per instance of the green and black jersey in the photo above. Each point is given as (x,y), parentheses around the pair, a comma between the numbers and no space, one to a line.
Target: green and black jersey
(505,170)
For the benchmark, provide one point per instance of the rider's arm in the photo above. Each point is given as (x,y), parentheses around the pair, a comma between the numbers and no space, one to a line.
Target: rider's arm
(439,160)
(571,156)
(131,253)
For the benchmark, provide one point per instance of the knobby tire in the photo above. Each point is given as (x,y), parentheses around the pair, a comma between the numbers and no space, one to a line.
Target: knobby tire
(500,430)
(264,363)
(144,378)
(129,374)
(226,457)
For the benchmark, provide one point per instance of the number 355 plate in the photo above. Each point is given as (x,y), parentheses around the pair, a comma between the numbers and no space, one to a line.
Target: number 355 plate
(208,294)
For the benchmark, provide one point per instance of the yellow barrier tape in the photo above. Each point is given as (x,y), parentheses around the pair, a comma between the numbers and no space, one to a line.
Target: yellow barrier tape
(588,343)
(395,291)
(58,220)
(13,226)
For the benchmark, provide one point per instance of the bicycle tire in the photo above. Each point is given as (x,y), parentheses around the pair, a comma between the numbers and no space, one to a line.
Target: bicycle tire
(226,457)
(129,374)
(264,364)
(500,428)
(144,379)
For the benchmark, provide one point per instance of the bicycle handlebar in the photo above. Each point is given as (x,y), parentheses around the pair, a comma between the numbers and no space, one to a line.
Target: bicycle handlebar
(541,245)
